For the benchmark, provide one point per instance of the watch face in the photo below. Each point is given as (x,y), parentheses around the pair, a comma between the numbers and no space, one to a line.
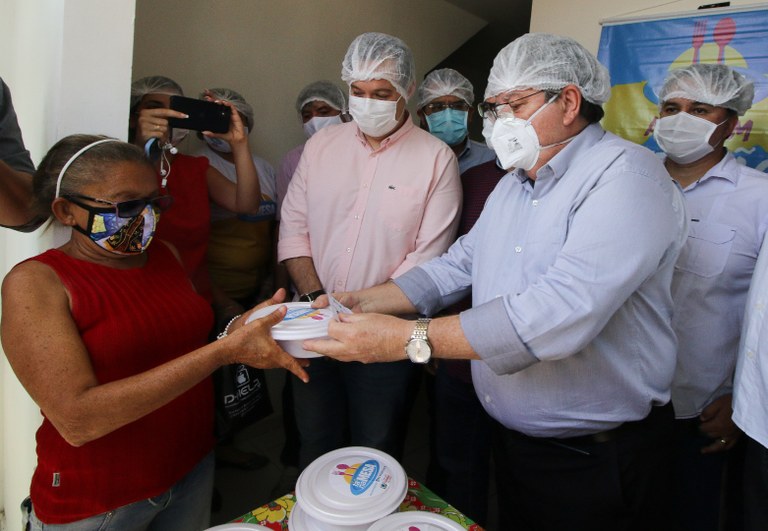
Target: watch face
(418,351)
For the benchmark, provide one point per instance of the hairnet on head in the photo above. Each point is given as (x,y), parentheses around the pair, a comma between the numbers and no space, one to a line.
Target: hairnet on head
(543,61)
(322,91)
(238,102)
(380,56)
(444,82)
(716,85)
(153,85)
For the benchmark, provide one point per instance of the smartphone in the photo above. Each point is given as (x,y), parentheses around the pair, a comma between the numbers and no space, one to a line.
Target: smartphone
(203,115)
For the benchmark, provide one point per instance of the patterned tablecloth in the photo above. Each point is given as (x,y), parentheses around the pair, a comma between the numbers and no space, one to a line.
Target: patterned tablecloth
(274,514)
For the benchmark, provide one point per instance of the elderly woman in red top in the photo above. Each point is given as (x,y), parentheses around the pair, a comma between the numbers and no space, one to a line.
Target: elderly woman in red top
(110,340)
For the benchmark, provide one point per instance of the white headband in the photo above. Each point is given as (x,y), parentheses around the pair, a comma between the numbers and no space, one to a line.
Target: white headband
(74,157)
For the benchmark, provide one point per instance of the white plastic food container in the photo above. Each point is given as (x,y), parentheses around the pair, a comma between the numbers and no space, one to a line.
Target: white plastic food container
(238,527)
(415,521)
(348,489)
(300,323)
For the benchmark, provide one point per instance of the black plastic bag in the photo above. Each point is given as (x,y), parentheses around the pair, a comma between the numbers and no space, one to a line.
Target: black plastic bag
(241,398)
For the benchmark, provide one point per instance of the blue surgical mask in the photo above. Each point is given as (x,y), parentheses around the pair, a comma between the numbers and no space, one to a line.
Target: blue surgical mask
(449,125)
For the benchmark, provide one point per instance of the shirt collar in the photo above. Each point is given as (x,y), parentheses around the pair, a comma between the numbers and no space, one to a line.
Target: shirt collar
(406,128)
(728,168)
(560,163)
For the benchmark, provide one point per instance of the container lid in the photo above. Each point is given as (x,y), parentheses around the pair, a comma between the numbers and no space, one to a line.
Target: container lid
(298,520)
(300,322)
(352,486)
(238,526)
(415,521)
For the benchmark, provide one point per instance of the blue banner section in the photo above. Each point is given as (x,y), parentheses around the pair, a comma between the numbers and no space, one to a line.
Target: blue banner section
(640,54)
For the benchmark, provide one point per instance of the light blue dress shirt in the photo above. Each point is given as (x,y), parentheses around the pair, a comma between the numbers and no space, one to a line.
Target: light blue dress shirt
(474,153)
(750,394)
(728,208)
(571,289)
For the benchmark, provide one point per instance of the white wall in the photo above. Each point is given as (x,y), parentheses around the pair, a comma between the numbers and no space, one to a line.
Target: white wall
(269,50)
(68,64)
(562,18)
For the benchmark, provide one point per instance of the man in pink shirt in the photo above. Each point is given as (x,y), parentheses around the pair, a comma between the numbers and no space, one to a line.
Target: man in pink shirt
(369,200)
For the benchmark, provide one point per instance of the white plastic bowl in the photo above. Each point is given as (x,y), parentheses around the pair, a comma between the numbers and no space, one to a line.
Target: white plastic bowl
(350,488)
(300,323)
(238,526)
(415,521)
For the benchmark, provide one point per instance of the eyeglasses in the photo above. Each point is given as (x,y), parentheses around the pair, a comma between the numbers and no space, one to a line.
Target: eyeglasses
(125,209)
(440,106)
(490,111)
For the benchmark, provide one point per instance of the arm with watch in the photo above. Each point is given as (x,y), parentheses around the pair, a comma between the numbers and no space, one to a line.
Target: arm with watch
(304,276)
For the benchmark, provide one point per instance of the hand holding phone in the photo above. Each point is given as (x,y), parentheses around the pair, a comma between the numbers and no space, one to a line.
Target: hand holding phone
(202,115)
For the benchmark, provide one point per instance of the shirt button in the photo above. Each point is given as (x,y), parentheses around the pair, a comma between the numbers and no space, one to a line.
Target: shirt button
(488,399)
(750,354)
(535,202)
(365,185)
(349,249)
(357,217)
(518,249)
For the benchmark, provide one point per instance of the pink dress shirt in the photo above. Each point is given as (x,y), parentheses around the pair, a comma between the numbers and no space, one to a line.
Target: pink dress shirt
(365,216)
(284,174)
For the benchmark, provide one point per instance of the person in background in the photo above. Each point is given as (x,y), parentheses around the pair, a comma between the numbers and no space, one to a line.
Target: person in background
(240,245)
(445,101)
(110,340)
(459,466)
(570,330)
(319,104)
(727,203)
(750,397)
(16,170)
(240,251)
(370,200)
(192,181)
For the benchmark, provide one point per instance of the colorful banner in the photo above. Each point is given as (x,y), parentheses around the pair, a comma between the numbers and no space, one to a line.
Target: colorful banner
(639,54)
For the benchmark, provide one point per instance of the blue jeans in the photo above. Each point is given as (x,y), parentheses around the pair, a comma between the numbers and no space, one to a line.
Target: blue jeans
(351,404)
(186,506)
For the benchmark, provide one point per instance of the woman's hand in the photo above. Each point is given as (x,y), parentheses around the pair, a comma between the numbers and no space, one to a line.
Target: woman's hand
(253,345)
(153,123)
(236,135)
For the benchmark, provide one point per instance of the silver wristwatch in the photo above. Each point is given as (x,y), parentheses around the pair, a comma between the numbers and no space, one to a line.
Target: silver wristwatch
(418,348)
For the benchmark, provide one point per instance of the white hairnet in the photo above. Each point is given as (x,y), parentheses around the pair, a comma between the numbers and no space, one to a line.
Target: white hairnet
(380,56)
(153,85)
(713,84)
(444,82)
(322,91)
(238,102)
(543,61)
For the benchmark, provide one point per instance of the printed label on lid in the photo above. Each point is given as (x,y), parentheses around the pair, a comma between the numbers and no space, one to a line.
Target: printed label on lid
(368,477)
(304,313)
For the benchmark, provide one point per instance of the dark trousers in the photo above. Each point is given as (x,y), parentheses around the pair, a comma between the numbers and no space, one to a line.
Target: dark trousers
(614,481)
(755,486)
(460,463)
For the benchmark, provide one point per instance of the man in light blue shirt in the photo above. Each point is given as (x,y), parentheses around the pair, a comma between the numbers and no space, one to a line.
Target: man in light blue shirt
(571,319)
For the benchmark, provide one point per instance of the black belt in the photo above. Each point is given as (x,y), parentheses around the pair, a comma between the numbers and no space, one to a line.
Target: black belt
(657,414)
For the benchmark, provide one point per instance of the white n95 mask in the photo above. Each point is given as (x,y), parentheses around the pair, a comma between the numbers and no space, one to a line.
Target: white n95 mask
(374,117)
(684,137)
(515,140)
(320,122)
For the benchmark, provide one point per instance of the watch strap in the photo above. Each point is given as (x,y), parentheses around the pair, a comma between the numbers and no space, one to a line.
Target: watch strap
(311,296)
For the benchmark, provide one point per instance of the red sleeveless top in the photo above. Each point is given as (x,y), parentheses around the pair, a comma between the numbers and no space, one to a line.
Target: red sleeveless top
(187,224)
(130,321)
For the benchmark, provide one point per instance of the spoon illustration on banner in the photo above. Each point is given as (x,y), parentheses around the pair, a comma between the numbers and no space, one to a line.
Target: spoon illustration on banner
(724,33)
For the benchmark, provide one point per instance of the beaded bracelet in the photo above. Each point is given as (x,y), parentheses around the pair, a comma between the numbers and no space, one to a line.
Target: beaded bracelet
(224,332)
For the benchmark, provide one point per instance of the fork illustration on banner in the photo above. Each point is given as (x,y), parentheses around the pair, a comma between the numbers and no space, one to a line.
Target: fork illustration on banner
(699,32)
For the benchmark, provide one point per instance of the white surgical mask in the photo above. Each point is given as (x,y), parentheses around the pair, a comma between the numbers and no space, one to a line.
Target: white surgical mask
(320,122)
(515,140)
(177,135)
(684,137)
(374,117)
